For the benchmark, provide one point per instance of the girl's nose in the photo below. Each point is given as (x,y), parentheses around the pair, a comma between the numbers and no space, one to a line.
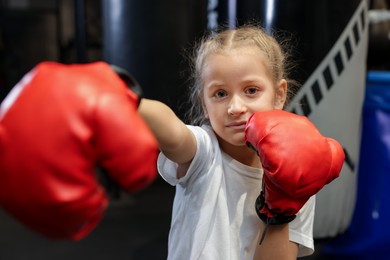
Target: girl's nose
(236,106)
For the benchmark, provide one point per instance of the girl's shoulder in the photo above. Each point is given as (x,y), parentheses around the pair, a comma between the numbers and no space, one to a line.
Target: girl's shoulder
(206,141)
(203,131)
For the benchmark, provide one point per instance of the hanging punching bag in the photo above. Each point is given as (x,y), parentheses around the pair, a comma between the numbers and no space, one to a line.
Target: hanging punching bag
(148,38)
(331,47)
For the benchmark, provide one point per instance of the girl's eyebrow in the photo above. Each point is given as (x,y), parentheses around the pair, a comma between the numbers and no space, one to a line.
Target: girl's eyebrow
(214,84)
(257,81)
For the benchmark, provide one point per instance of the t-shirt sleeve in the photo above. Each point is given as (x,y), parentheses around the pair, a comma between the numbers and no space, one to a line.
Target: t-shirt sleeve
(301,228)
(204,153)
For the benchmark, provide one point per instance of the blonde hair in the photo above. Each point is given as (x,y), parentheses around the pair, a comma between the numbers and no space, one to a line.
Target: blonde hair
(226,40)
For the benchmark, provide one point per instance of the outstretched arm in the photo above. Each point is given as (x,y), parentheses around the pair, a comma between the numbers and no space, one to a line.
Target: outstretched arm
(175,140)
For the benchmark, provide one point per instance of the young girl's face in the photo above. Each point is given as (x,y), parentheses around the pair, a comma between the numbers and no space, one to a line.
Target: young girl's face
(238,83)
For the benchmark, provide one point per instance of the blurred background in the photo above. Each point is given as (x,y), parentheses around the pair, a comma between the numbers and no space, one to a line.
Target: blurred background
(342,54)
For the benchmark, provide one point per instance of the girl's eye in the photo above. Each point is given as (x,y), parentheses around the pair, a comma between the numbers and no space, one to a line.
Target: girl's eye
(220,94)
(251,91)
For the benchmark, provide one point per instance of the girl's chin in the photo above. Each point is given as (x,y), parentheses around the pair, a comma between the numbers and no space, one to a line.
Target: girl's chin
(237,139)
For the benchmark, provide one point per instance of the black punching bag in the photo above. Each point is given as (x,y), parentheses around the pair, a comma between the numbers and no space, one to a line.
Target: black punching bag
(148,38)
(330,40)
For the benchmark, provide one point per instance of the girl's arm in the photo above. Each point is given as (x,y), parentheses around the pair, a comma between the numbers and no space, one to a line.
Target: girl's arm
(175,140)
(276,244)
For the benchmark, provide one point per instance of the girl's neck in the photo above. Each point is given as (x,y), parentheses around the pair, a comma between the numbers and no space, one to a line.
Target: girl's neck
(243,154)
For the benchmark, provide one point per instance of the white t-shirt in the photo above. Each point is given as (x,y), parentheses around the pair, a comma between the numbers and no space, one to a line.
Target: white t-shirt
(213,214)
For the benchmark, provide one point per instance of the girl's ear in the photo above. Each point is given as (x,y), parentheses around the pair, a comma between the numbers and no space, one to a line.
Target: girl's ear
(281,94)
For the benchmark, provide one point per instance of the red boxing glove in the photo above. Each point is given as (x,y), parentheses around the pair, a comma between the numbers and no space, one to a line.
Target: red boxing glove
(297,161)
(66,121)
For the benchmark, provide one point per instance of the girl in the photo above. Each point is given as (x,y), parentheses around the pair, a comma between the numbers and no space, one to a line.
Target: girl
(217,177)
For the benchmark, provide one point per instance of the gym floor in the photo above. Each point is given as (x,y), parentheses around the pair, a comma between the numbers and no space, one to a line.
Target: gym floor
(135,228)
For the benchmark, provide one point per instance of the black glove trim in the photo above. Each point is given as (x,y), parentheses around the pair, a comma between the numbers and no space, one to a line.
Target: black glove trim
(129,80)
(276,219)
(251,146)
